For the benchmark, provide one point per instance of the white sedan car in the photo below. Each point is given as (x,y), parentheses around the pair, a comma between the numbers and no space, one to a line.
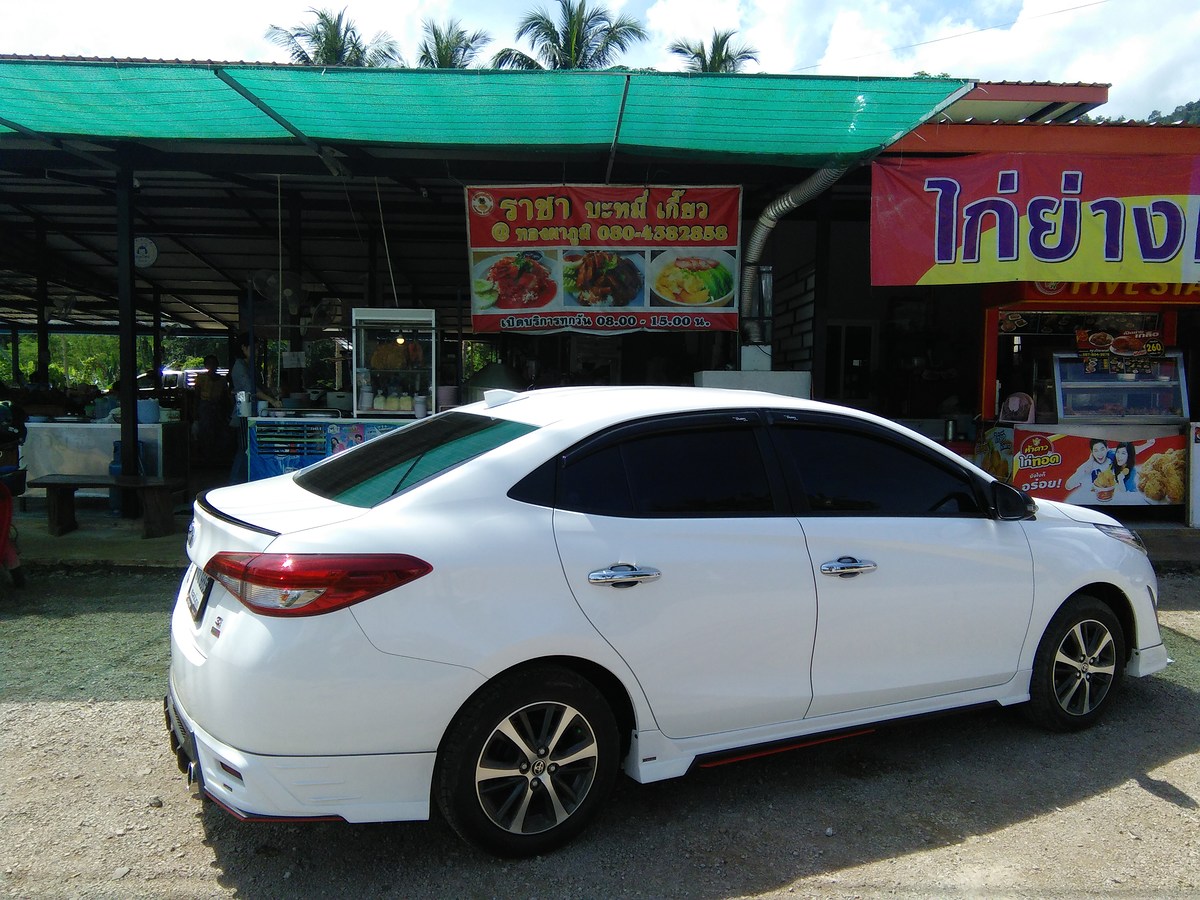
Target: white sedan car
(496,609)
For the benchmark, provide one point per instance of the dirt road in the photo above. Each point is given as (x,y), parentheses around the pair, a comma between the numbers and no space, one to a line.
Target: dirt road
(974,805)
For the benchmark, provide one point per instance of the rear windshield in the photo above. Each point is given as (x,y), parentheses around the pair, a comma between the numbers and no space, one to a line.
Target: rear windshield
(385,466)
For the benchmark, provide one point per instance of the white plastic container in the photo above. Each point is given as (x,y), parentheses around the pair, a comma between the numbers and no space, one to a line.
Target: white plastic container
(339,400)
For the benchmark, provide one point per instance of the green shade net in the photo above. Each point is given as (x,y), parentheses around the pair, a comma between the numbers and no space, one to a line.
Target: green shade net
(790,120)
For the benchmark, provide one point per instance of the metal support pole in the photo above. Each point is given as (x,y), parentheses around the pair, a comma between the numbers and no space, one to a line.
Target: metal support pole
(127,332)
(43,309)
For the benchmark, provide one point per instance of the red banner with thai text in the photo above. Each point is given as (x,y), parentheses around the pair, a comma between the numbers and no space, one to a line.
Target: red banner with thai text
(1035,217)
(603,259)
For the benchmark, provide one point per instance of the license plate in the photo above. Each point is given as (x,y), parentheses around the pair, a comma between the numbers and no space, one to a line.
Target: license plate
(197,592)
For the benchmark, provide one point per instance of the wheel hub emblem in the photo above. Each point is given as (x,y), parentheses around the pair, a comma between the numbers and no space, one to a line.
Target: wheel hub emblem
(539,767)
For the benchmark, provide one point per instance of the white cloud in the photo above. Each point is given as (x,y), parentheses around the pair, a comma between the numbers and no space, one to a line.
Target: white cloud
(858,45)
(788,35)
(692,19)
(1144,56)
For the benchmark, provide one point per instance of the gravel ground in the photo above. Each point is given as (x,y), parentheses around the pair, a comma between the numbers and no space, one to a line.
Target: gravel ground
(973,805)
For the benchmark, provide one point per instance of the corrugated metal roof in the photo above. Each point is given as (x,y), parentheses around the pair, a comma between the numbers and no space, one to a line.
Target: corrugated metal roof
(796,120)
(1105,138)
(1026,101)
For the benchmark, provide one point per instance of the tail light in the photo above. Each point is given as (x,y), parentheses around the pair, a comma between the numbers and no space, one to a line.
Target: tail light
(309,584)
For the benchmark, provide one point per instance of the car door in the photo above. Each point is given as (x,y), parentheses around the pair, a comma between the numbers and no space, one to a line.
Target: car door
(678,544)
(920,593)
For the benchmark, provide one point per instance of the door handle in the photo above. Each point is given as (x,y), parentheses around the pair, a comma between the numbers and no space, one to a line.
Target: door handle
(623,575)
(847,567)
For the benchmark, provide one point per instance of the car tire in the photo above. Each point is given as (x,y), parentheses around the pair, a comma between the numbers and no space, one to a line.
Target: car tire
(501,781)
(1078,666)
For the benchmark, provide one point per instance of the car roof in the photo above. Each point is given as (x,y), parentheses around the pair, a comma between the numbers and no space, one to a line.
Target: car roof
(597,405)
(574,412)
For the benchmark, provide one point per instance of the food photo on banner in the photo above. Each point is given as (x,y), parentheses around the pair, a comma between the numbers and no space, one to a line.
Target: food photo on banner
(1100,470)
(603,259)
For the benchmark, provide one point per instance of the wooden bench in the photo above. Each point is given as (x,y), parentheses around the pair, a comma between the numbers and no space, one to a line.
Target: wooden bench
(154,494)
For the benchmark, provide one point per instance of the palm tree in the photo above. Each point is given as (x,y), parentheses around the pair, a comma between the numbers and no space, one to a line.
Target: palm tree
(718,56)
(583,38)
(449,46)
(333,40)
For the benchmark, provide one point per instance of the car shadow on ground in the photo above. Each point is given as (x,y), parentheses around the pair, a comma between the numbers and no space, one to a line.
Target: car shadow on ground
(1174,597)
(760,825)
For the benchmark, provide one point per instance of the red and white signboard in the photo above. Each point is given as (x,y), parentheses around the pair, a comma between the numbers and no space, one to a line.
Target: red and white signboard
(1100,471)
(603,259)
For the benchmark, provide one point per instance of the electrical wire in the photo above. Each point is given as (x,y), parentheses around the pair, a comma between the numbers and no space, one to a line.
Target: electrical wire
(950,37)
(387,253)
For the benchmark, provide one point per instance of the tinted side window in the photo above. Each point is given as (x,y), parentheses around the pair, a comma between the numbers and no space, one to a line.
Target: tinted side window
(849,472)
(597,484)
(708,471)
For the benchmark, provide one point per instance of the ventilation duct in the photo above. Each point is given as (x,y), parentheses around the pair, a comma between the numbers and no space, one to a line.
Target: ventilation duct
(816,184)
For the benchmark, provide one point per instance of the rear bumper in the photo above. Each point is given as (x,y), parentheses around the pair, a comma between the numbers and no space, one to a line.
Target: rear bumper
(386,787)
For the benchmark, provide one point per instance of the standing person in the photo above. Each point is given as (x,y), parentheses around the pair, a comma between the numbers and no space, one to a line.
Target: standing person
(241,377)
(212,410)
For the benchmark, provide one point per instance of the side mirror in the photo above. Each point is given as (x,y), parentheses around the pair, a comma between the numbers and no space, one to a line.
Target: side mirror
(1010,504)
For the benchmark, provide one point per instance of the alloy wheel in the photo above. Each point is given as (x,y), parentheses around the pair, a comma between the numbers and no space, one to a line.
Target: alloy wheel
(536,768)
(1084,667)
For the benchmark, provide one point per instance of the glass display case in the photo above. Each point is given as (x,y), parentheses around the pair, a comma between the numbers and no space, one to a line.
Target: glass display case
(394,362)
(1093,390)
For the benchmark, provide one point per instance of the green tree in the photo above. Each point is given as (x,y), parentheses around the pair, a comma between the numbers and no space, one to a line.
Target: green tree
(449,46)
(1188,114)
(331,39)
(583,38)
(721,55)
(188,352)
(82,359)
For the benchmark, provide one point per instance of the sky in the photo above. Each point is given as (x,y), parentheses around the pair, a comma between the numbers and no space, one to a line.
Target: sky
(1145,50)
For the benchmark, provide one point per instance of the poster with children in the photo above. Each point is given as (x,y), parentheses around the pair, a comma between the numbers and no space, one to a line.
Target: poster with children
(1100,470)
